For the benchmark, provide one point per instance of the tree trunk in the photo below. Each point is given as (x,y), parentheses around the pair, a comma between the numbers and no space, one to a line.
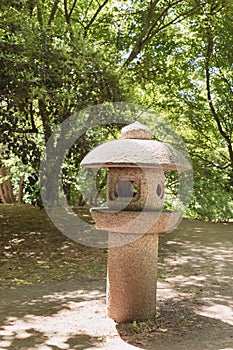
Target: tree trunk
(2,195)
(21,193)
(6,191)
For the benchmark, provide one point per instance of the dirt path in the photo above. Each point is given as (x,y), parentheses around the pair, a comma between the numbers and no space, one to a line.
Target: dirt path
(195,302)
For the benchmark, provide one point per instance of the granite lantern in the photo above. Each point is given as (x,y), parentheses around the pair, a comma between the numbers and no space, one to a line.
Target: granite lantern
(134,217)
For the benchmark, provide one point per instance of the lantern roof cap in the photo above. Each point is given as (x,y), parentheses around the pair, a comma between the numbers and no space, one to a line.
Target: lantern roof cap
(136,149)
(136,131)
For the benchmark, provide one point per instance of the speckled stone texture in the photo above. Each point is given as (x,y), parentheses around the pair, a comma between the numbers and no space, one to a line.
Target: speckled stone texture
(135,152)
(136,131)
(134,217)
(132,260)
(149,190)
(135,222)
(136,149)
(131,279)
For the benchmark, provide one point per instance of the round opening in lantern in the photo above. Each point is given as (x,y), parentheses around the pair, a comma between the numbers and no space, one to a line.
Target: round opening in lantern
(126,189)
(160,190)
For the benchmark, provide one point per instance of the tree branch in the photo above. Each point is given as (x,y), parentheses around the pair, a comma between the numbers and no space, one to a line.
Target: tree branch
(151,34)
(39,15)
(224,134)
(209,162)
(87,8)
(68,13)
(148,32)
(209,50)
(72,8)
(53,12)
(34,128)
(224,78)
(138,45)
(161,17)
(45,119)
(67,17)
(87,27)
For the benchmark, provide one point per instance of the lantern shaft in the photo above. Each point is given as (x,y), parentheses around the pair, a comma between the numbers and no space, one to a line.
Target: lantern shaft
(132,279)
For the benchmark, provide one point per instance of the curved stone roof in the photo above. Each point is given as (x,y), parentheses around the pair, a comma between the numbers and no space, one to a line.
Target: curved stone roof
(136,149)
(135,152)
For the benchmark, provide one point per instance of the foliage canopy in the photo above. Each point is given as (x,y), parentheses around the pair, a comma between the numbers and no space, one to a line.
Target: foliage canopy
(60,56)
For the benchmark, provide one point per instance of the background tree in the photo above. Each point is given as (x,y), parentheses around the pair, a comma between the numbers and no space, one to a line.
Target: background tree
(47,73)
(58,57)
(185,72)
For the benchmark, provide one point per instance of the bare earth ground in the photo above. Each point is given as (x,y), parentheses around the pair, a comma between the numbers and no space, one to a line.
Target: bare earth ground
(52,293)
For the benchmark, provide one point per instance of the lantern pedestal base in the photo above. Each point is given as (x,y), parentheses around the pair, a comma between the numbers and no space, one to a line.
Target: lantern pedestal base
(132,260)
(132,279)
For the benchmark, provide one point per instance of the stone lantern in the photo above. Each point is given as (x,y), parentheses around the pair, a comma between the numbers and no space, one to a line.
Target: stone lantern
(133,217)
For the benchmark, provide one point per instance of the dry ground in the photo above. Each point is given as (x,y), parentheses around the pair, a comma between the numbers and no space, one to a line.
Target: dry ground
(33,251)
(53,290)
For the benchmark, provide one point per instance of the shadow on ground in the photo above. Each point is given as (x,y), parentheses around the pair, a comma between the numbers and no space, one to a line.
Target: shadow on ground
(195,291)
(195,306)
(54,316)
